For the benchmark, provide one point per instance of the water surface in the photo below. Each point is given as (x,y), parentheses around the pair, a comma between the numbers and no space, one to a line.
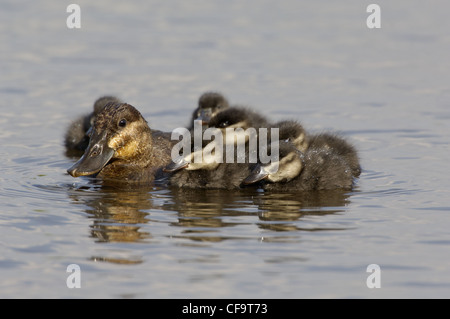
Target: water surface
(387,90)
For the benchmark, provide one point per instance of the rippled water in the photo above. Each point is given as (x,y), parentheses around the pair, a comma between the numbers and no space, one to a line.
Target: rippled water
(387,90)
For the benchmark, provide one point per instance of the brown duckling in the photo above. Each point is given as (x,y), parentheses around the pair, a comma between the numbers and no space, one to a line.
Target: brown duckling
(319,168)
(76,137)
(209,104)
(123,148)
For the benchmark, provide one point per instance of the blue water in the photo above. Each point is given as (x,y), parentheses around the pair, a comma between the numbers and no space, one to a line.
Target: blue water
(385,89)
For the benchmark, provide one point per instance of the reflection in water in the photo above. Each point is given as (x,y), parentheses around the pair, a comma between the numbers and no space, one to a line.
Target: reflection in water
(120,215)
(281,209)
(202,212)
(116,214)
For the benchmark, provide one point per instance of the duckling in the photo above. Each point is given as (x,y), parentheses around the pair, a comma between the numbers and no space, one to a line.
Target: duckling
(123,148)
(76,137)
(316,169)
(235,117)
(211,174)
(209,104)
(224,176)
(339,146)
(238,117)
(293,132)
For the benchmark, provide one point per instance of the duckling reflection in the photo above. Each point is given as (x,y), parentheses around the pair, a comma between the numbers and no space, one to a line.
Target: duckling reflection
(202,213)
(289,206)
(76,138)
(209,105)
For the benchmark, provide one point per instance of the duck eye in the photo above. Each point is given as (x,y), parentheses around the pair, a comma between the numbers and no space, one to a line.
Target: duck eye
(224,124)
(122,123)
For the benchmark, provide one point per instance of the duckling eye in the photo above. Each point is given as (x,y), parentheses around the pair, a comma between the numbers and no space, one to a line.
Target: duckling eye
(122,123)
(224,124)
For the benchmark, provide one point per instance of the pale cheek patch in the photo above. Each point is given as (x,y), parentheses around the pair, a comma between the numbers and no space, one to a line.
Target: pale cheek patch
(130,149)
(301,143)
(289,168)
(116,142)
(124,144)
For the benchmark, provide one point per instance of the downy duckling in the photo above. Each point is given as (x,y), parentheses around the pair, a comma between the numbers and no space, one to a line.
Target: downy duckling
(123,148)
(238,117)
(318,168)
(339,146)
(293,132)
(209,104)
(76,138)
(209,173)
(223,176)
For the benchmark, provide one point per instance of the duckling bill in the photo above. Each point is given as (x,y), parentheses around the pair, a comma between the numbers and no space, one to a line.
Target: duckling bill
(209,104)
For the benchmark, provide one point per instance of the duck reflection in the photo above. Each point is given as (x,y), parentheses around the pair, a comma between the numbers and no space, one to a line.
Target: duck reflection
(117,216)
(202,216)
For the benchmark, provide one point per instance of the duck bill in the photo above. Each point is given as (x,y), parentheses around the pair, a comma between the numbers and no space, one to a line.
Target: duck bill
(258,174)
(205,116)
(176,165)
(96,156)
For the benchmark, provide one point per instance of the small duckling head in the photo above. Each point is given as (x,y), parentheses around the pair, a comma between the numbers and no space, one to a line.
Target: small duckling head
(207,158)
(239,126)
(209,104)
(288,166)
(293,132)
(99,104)
(211,154)
(120,133)
(238,117)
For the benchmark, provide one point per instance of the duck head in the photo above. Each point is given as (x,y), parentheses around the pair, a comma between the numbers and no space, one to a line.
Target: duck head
(119,133)
(211,154)
(288,166)
(209,104)
(204,158)
(238,117)
(293,132)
